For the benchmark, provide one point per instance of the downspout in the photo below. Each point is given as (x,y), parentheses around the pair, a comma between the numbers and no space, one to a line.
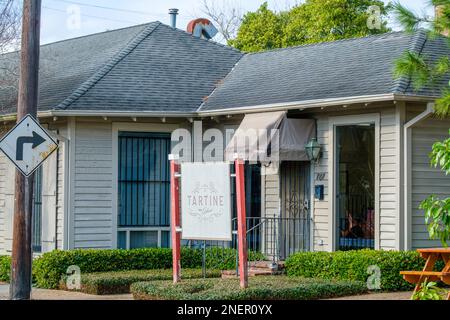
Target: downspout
(407,161)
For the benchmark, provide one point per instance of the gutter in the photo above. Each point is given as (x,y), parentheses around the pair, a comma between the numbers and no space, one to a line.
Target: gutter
(305,104)
(407,166)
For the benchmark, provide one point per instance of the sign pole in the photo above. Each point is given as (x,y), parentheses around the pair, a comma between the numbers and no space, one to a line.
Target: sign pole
(175,218)
(242,224)
(20,287)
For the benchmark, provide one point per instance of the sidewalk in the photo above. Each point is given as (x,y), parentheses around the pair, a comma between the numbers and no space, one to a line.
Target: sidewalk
(43,294)
(379,296)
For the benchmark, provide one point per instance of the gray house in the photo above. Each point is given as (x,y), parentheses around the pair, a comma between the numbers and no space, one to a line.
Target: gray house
(112,99)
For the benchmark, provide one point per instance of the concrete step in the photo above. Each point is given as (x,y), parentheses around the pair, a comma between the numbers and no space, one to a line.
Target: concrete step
(270,265)
(257,268)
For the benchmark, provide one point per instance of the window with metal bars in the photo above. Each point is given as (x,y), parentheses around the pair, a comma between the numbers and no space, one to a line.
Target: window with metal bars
(143,189)
(144,179)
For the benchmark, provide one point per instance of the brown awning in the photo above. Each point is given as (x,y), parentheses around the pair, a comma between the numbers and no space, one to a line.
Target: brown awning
(292,136)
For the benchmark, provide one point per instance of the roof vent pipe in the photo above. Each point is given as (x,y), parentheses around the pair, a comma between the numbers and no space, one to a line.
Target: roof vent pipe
(173,17)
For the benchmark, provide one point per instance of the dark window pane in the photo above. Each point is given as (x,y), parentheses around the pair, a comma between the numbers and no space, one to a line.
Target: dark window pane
(143,239)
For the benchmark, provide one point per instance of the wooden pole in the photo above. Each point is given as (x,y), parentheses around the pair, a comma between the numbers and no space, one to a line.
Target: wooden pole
(175,219)
(242,223)
(21,261)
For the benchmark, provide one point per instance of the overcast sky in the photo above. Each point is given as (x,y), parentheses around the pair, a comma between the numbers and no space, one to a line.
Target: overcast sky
(58,22)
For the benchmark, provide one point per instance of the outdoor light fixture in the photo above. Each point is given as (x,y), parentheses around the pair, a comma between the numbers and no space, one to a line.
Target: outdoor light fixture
(313,149)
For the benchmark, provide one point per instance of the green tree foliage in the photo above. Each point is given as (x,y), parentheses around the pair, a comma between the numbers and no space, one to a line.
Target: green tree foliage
(311,22)
(423,71)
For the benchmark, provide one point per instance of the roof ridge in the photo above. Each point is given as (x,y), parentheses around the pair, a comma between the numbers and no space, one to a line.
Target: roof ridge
(417,45)
(103,71)
(199,109)
(326,42)
(85,36)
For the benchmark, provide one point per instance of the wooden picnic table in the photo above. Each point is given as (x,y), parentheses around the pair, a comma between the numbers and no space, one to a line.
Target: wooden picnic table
(431,256)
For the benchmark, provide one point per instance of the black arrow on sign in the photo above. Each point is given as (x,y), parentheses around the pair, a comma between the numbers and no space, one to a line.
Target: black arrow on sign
(36,140)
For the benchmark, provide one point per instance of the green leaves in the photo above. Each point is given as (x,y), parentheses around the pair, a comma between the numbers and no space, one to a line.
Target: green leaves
(429,291)
(353,265)
(414,66)
(50,267)
(407,18)
(311,22)
(423,70)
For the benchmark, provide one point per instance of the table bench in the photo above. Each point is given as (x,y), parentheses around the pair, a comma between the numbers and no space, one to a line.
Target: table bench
(428,274)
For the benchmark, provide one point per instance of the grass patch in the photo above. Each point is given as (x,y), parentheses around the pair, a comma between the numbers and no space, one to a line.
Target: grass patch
(260,288)
(104,283)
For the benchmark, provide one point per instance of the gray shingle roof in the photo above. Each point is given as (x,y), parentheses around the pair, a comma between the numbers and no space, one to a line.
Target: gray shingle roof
(155,68)
(150,67)
(64,66)
(163,69)
(346,68)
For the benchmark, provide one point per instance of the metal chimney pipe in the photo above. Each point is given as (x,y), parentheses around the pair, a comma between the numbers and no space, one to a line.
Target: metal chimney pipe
(173,17)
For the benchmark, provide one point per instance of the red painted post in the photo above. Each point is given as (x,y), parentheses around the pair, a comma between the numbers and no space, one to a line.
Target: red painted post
(242,224)
(175,219)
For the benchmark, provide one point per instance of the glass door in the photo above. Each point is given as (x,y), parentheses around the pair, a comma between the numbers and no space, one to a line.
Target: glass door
(355,186)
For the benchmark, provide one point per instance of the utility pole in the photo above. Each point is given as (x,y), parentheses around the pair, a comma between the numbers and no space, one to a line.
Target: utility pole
(20,287)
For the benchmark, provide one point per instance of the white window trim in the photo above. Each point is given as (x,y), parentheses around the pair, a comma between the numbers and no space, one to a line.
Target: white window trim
(133,127)
(351,120)
(128,230)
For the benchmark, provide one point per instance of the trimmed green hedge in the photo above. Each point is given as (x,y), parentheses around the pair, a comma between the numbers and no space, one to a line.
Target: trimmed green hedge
(352,265)
(119,282)
(260,288)
(5,268)
(50,267)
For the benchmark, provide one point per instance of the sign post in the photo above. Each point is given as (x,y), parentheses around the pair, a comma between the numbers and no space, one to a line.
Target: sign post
(242,225)
(20,288)
(206,208)
(175,218)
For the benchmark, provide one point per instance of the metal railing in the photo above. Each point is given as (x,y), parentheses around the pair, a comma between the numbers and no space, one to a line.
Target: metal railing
(275,237)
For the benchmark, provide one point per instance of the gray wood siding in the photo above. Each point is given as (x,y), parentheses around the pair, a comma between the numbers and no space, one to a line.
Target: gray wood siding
(321,213)
(7,176)
(92,186)
(388,180)
(425,179)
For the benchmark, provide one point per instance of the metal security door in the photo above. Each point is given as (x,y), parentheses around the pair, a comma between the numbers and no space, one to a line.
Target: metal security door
(294,226)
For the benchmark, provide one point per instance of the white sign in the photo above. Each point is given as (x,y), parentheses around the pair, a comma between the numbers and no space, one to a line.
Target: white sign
(205,201)
(27,145)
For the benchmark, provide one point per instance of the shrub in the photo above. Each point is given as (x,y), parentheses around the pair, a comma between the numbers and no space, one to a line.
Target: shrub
(260,288)
(50,267)
(5,268)
(102,283)
(352,265)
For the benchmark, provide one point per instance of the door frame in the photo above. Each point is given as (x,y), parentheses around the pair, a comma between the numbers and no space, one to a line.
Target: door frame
(131,127)
(334,122)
